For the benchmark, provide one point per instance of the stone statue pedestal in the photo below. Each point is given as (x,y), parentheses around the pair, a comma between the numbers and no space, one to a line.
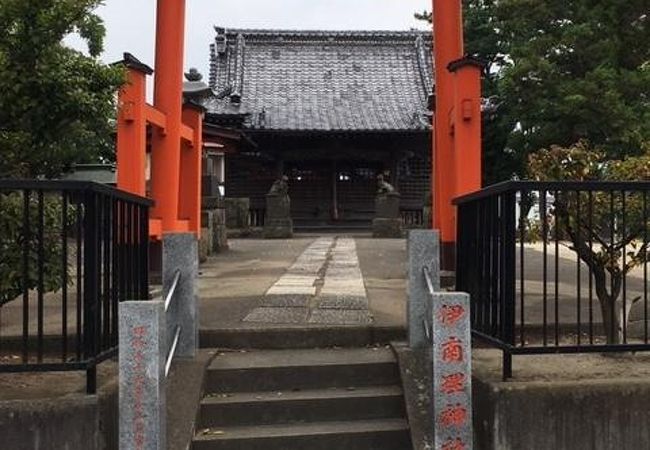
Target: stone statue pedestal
(388,221)
(278,223)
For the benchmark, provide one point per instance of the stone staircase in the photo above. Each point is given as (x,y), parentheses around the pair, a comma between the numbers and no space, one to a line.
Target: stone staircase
(306,399)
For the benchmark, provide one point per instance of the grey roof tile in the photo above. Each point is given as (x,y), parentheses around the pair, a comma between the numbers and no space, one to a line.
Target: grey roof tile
(322,80)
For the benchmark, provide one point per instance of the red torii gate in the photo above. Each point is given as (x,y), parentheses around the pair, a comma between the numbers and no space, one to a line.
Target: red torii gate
(457,127)
(176,138)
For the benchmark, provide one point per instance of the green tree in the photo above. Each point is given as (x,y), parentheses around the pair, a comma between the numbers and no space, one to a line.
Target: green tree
(16,241)
(607,230)
(56,104)
(576,70)
(56,109)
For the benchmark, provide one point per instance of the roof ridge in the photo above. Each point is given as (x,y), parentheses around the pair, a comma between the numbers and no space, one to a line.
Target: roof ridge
(261,32)
(426,73)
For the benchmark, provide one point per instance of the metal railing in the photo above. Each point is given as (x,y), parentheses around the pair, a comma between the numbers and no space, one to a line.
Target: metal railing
(175,324)
(69,253)
(556,267)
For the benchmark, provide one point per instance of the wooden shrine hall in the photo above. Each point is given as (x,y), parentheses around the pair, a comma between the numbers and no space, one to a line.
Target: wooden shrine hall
(329,109)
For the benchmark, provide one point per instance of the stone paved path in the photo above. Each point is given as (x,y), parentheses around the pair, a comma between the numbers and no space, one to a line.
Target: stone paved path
(323,286)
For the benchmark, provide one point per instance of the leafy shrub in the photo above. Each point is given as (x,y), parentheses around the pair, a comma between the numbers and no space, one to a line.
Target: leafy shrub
(17,242)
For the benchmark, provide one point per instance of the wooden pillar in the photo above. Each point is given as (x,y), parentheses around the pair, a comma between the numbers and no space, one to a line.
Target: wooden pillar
(189,207)
(132,128)
(168,99)
(467,124)
(448,47)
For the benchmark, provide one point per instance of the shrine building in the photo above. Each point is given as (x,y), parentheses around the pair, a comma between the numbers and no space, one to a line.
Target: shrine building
(329,109)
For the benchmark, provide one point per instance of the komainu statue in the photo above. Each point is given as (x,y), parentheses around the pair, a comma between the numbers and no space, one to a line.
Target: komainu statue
(280,186)
(383,186)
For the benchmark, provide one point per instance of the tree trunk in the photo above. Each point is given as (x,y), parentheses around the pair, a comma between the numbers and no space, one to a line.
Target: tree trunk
(611,320)
(611,313)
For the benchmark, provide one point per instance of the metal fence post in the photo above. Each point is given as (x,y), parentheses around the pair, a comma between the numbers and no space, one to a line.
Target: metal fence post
(423,252)
(90,289)
(142,357)
(181,254)
(452,371)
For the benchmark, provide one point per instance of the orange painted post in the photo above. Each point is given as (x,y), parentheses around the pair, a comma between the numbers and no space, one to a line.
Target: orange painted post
(132,128)
(467,124)
(448,47)
(168,98)
(189,207)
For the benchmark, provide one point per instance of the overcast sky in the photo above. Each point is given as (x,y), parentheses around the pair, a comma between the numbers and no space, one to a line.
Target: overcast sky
(131,23)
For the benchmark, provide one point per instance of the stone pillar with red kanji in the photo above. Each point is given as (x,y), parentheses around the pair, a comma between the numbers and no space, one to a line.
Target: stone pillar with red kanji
(452,376)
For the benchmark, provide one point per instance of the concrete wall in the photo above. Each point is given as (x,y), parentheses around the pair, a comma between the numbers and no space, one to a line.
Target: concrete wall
(73,422)
(571,415)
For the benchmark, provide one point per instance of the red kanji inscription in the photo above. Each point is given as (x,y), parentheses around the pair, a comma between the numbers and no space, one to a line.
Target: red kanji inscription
(449,315)
(453,416)
(452,350)
(453,384)
(454,444)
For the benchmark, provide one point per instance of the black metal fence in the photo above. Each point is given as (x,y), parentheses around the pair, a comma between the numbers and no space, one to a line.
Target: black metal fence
(70,251)
(556,267)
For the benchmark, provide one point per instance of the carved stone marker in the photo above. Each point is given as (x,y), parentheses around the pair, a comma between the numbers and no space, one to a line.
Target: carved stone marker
(452,375)
(278,223)
(142,341)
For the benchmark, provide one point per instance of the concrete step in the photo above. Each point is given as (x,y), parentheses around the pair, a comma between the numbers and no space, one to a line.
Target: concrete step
(291,337)
(384,434)
(316,405)
(291,370)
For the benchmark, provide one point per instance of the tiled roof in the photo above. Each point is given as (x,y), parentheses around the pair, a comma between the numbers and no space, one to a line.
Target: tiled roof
(322,80)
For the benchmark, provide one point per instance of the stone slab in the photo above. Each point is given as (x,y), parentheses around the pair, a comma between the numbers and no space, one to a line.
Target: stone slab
(343,273)
(277,315)
(292,290)
(296,279)
(343,302)
(340,317)
(285,301)
(353,287)
(306,269)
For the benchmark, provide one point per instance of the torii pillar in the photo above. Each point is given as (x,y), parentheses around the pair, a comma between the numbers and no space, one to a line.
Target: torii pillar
(176,131)
(168,99)
(457,127)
